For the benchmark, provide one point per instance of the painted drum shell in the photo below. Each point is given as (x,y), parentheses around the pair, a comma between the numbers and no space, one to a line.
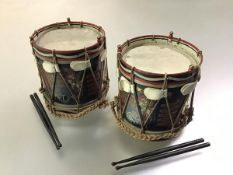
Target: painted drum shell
(73,78)
(160,119)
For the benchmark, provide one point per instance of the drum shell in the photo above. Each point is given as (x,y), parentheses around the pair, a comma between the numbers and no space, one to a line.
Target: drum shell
(160,119)
(62,95)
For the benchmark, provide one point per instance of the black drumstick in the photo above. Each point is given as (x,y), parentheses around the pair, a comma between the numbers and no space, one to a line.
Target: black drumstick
(47,119)
(159,151)
(44,121)
(166,155)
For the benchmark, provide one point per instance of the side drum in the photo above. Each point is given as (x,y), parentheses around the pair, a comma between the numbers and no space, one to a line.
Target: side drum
(157,78)
(72,65)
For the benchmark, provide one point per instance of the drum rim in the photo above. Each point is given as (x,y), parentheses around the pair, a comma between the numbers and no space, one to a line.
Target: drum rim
(150,74)
(156,84)
(98,43)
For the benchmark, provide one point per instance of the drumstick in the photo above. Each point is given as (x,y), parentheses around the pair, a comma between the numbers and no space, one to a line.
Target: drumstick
(43,121)
(165,155)
(47,119)
(160,151)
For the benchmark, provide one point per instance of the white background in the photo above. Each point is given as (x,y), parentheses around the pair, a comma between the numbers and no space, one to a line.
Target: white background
(91,143)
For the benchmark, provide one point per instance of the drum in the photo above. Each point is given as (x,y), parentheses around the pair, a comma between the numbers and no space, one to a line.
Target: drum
(157,78)
(72,65)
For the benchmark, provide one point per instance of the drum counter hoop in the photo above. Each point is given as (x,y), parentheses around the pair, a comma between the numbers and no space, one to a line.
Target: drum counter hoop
(157,76)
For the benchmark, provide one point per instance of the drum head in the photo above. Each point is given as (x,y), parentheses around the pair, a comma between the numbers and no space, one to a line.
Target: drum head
(68,38)
(160,57)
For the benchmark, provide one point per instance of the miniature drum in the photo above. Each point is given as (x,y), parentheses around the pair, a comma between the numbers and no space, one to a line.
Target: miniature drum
(72,65)
(157,78)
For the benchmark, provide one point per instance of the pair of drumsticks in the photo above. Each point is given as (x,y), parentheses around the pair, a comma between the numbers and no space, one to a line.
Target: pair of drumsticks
(162,153)
(45,119)
(132,161)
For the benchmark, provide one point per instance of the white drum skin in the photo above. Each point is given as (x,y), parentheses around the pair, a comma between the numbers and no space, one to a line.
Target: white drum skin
(156,58)
(66,39)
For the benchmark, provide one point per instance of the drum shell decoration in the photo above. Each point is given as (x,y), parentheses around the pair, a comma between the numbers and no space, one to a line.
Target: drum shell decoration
(72,80)
(155,106)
